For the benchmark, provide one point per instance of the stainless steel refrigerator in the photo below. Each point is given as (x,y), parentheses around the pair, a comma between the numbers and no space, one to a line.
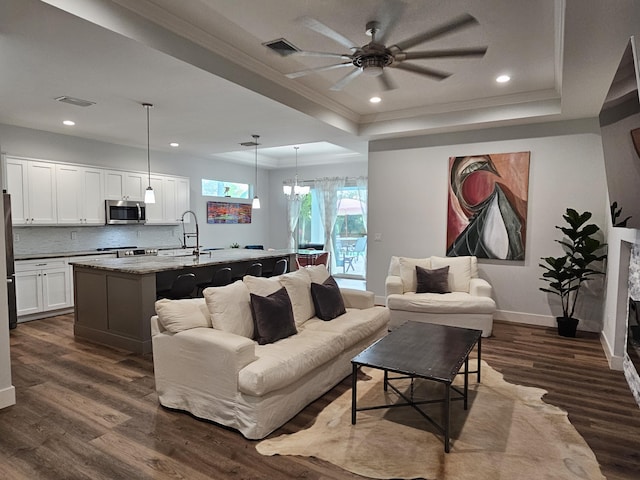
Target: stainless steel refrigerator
(11,272)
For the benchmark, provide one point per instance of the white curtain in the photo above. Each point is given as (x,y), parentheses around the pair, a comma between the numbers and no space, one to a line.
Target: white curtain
(293,214)
(362,183)
(327,190)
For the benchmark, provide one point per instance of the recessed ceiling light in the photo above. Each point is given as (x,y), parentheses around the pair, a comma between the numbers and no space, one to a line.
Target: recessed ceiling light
(503,79)
(375,99)
(70,123)
(174,144)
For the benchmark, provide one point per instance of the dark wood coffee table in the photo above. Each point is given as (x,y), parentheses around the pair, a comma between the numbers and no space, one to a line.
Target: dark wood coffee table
(422,350)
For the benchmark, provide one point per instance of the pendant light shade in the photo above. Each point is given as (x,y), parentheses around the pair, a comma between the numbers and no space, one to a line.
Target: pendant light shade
(256,200)
(149,194)
(296,189)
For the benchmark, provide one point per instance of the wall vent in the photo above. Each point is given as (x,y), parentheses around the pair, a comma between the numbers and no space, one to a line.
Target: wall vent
(281,47)
(78,102)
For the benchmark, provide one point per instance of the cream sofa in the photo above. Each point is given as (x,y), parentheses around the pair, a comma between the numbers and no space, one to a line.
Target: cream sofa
(207,363)
(469,304)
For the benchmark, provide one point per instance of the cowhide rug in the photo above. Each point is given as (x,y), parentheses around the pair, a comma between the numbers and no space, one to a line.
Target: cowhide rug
(508,432)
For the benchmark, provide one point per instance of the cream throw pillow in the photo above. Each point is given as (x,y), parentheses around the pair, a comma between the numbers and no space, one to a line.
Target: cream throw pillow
(178,315)
(298,285)
(459,271)
(408,271)
(317,273)
(230,308)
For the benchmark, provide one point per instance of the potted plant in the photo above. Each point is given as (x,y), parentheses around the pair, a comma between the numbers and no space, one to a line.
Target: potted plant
(566,274)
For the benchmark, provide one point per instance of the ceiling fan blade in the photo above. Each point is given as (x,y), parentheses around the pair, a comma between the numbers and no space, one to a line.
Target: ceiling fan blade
(452,26)
(388,14)
(429,72)
(305,53)
(302,73)
(387,83)
(321,28)
(454,52)
(340,84)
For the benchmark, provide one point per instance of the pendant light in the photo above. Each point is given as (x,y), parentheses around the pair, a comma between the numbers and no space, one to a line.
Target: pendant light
(149,194)
(296,189)
(256,200)
(254,143)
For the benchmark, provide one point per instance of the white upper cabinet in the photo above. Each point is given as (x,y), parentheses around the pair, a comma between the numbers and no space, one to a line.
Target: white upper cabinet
(155,211)
(48,193)
(125,185)
(32,186)
(80,195)
(172,199)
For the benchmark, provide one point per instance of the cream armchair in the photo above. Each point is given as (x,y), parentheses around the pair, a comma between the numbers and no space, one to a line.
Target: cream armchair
(468,303)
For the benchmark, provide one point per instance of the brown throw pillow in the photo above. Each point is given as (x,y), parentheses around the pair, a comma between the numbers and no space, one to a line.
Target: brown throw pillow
(272,317)
(327,299)
(432,281)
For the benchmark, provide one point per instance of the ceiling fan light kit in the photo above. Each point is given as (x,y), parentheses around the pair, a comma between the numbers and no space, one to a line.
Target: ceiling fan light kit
(375,57)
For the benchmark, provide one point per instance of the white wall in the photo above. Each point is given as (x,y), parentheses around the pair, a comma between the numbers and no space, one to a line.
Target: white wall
(408,206)
(65,148)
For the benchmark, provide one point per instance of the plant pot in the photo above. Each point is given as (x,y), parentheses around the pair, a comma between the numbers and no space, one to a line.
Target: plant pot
(567,326)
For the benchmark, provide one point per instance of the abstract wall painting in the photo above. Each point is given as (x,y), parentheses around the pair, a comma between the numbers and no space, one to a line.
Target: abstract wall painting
(487,212)
(228,212)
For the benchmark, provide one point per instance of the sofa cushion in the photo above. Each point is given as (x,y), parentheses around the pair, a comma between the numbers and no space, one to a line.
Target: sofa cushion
(352,327)
(178,315)
(298,285)
(272,317)
(459,271)
(317,273)
(288,360)
(432,281)
(327,299)
(454,302)
(408,271)
(230,308)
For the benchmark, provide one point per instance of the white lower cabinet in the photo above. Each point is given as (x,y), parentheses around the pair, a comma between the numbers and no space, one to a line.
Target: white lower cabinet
(42,285)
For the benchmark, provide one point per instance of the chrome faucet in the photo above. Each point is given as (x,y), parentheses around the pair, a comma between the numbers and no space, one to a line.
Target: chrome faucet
(185,235)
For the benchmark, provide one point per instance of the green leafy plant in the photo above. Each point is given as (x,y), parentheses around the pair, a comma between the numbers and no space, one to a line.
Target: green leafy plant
(235,245)
(566,275)
(615,213)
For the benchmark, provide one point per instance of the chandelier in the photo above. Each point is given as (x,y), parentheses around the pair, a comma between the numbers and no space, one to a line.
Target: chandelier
(295,188)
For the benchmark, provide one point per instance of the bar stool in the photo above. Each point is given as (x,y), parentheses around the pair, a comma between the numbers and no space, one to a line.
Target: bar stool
(220,278)
(182,287)
(255,270)
(280,267)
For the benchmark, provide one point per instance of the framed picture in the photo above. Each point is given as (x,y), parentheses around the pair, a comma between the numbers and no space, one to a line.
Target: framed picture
(487,208)
(228,212)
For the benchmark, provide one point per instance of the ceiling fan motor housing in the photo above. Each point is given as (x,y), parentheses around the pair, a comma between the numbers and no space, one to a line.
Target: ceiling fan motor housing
(372,58)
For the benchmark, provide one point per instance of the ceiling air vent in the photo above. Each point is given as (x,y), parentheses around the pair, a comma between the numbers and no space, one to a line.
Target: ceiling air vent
(281,47)
(78,102)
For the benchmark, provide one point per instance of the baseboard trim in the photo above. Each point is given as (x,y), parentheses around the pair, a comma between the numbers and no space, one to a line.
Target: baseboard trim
(615,362)
(7,397)
(527,318)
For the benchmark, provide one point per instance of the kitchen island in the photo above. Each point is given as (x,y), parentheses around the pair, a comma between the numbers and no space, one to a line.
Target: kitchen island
(115,297)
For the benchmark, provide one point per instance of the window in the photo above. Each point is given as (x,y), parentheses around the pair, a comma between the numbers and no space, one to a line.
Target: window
(349,231)
(218,188)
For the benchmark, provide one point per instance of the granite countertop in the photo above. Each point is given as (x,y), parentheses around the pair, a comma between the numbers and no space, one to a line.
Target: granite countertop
(82,253)
(144,265)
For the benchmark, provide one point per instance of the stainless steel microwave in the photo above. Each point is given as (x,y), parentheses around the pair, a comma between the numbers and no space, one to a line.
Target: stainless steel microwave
(122,212)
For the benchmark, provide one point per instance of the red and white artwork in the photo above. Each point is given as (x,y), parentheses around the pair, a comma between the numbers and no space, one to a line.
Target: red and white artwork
(487,212)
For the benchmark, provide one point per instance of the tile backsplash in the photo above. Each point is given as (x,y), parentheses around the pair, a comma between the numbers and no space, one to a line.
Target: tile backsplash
(30,240)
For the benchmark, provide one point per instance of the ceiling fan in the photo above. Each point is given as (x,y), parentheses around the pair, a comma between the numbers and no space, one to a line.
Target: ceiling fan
(375,57)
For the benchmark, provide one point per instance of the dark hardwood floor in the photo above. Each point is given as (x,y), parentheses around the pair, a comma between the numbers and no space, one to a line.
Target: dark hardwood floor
(87,411)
